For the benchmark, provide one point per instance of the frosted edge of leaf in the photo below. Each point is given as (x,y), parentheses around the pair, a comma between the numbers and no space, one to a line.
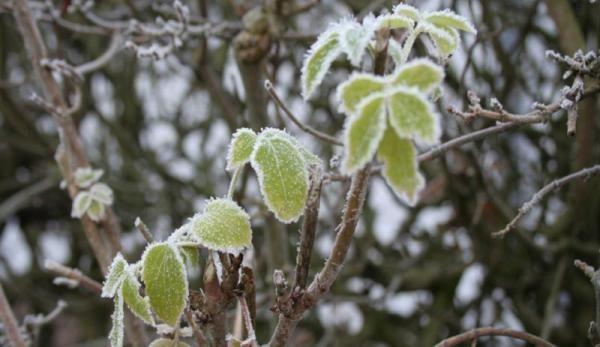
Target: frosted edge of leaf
(242,137)
(225,206)
(436,70)
(356,50)
(309,157)
(115,335)
(394,21)
(96,211)
(434,116)
(445,39)
(406,10)
(448,18)
(265,135)
(350,168)
(329,39)
(343,89)
(144,316)
(114,276)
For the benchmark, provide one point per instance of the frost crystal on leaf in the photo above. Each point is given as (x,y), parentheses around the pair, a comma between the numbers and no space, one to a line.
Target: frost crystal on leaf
(282,172)
(140,306)
(318,60)
(412,116)
(363,133)
(356,88)
(162,342)
(355,37)
(406,10)
(449,19)
(222,226)
(240,148)
(86,176)
(420,73)
(116,332)
(114,277)
(400,166)
(165,278)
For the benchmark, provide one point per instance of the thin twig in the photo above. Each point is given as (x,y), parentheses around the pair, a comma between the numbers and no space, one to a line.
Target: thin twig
(11,327)
(547,189)
(491,331)
(116,44)
(143,229)
(320,135)
(74,274)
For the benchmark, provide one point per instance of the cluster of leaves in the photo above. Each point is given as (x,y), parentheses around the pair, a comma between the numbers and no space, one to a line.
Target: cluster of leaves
(93,196)
(282,165)
(386,114)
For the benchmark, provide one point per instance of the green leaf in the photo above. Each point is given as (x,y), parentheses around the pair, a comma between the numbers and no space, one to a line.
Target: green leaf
(115,336)
(363,133)
(140,306)
(354,37)
(420,73)
(394,21)
(282,174)
(450,19)
(81,204)
(162,342)
(400,166)
(86,176)
(412,115)
(445,39)
(318,61)
(191,255)
(102,193)
(222,226)
(356,88)
(240,148)
(114,276)
(407,11)
(96,211)
(164,275)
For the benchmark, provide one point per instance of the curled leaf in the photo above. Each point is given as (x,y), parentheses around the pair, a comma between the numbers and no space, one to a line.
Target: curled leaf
(363,133)
(356,88)
(102,193)
(412,115)
(86,176)
(445,39)
(115,276)
(400,166)
(240,148)
(420,73)
(115,336)
(450,19)
(81,204)
(140,306)
(165,278)
(282,174)
(96,211)
(222,226)
(318,60)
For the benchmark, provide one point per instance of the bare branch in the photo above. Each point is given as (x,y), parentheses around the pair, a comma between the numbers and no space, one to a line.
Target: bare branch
(11,327)
(491,331)
(74,274)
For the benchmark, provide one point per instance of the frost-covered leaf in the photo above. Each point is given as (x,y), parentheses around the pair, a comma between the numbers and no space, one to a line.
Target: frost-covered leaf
(356,88)
(240,148)
(420,73)
(412,115)
(114,277)
(102,193)
(449,19)
(354,37)
(407,11)
(394,21)
(86,176)
(363,133)
(115,336)
(395,52)
(96,211)
(162,342)
(81,204)
(282,174)
(191,255)
(400,166)
(222,226)
(140,306)
(166,282)
(445,39)
(318,61)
